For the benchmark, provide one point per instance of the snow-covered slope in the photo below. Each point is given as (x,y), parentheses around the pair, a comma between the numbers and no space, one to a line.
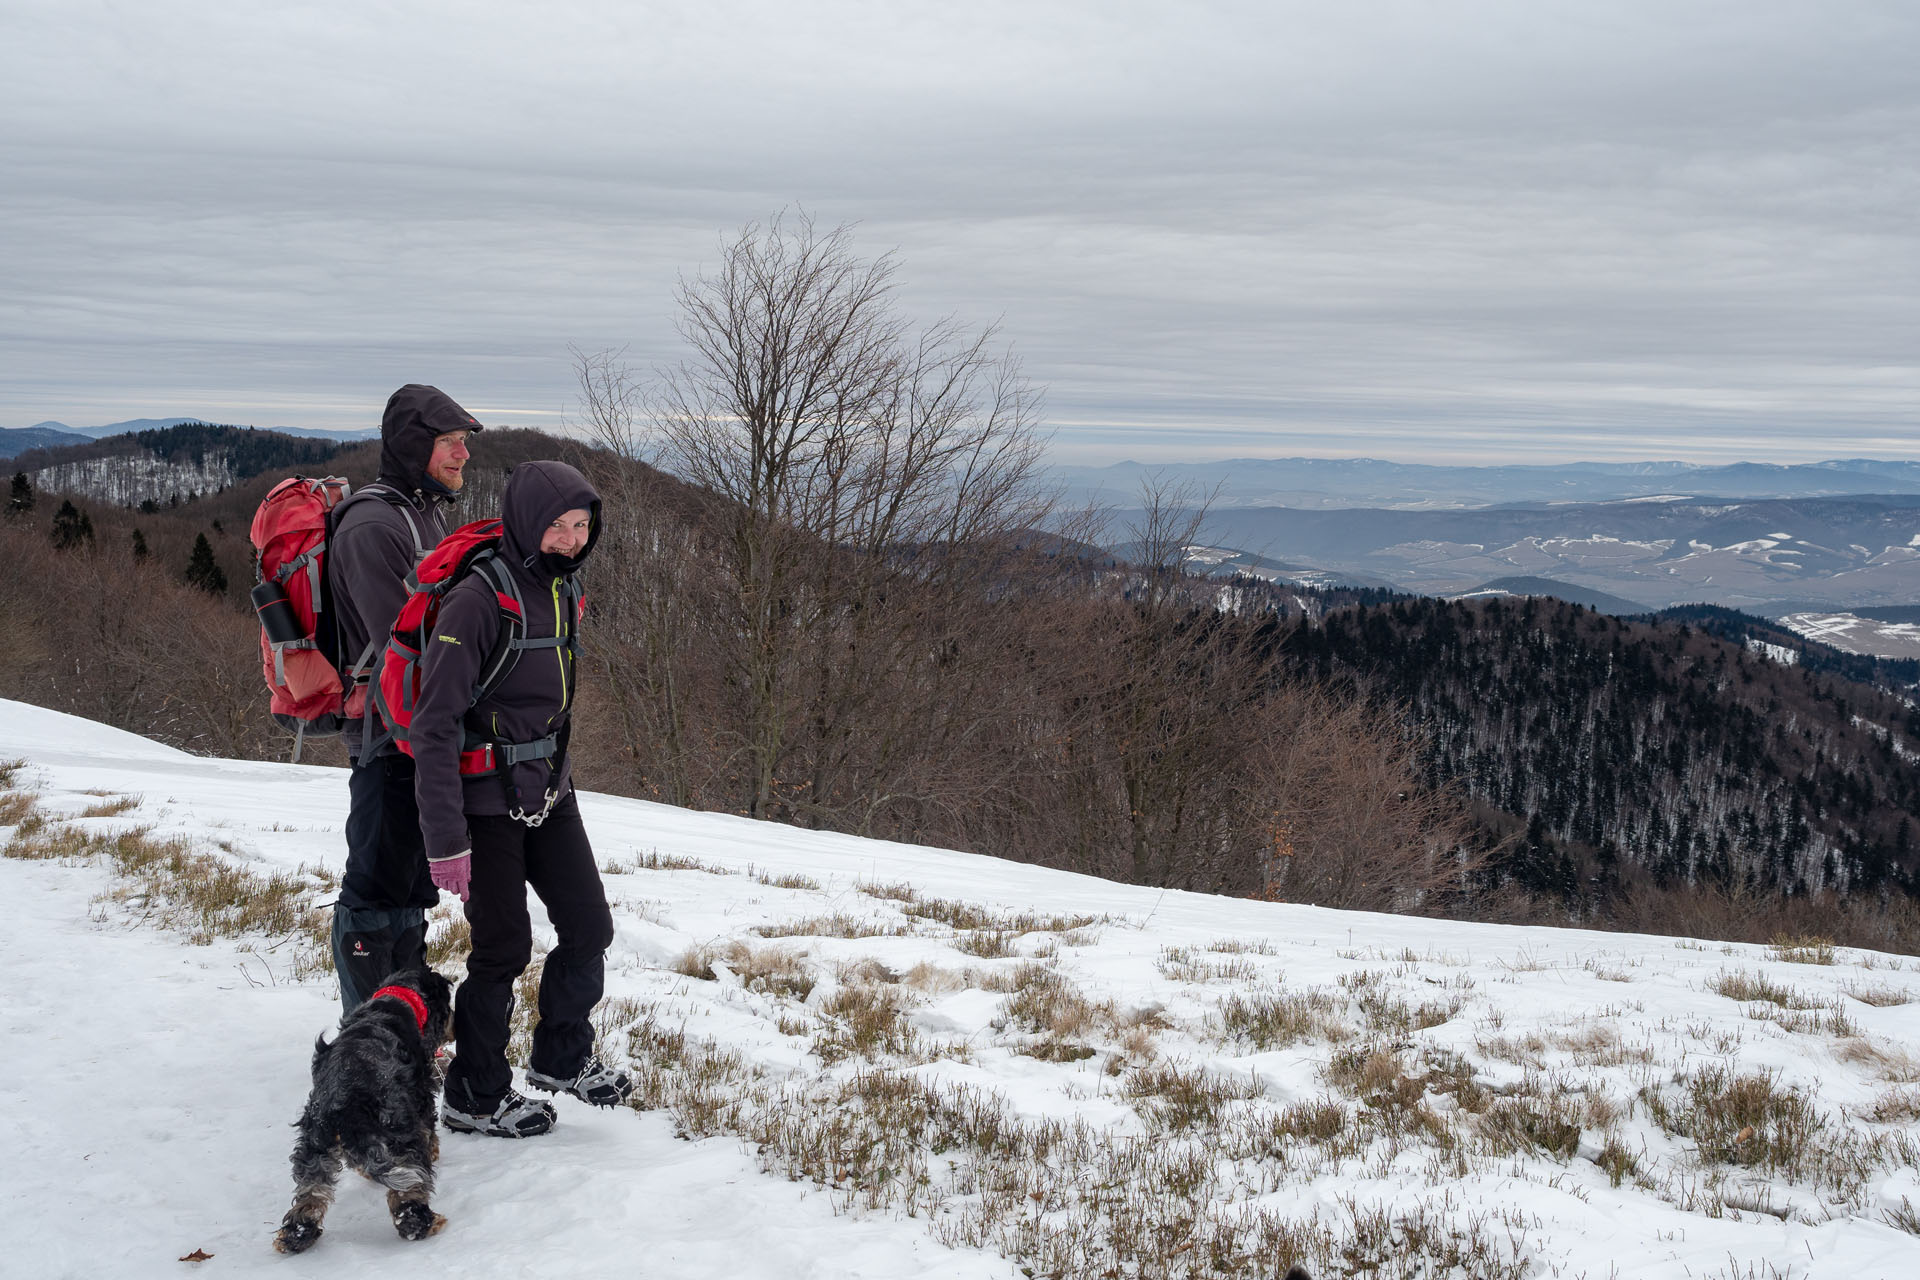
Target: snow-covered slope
(151,1080)
(1851,633)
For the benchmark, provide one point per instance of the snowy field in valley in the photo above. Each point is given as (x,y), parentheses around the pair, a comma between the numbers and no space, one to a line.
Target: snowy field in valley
(1851,633)
(864,1059)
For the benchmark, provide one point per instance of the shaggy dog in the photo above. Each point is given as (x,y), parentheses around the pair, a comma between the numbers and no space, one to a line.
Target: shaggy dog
(372,1107)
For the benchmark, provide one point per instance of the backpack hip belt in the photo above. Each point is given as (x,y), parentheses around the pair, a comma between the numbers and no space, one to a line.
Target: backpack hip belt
(481,757)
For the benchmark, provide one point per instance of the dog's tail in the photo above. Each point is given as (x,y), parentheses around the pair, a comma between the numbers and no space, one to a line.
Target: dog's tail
(320,1051)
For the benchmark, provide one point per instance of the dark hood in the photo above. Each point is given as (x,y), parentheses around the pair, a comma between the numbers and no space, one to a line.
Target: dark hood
(415,415)
(537,494)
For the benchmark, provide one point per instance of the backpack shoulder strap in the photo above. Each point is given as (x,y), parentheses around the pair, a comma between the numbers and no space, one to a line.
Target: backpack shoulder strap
(513,625)
(393,498)
(362,668)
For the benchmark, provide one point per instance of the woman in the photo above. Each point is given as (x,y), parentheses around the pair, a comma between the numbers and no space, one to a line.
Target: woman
(491,835)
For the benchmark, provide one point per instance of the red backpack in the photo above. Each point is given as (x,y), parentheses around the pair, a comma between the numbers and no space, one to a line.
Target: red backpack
(472,548)
(299,636)
(289,537)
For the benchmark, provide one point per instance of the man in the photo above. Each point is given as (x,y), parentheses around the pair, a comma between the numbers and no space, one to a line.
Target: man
(379,537)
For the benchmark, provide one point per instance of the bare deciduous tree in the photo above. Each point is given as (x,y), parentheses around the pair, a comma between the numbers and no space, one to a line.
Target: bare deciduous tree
(859,471)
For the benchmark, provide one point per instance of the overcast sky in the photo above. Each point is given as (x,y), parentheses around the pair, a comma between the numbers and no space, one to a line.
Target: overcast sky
(1463,231)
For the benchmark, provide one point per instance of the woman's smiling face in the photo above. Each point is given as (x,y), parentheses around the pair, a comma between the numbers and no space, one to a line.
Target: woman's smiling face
(568,533)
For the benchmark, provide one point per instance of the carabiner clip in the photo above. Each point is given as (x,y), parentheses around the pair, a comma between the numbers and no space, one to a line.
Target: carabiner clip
(535,819)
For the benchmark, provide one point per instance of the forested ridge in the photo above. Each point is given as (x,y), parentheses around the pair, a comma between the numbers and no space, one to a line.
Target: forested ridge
(1900,675)
(1620,751)
(167,465)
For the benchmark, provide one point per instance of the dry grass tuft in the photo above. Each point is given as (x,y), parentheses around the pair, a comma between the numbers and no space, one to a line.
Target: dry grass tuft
(1896,1066)
(1184,964)
(1172,1098)
(448,940)
(1275,1021)
(1878,994)
(1051,1049)
(1896,1106)
(111,808)
(1382,1080)
(1241,946)
(1746,1120)
(1802,949)
(867,1019)
(1599,1045)
(865,969)
(1540,1118)
(1827,1020)
(987,944)
(1525,1051)
(654,860)
(1044,1002)
(1618,1161)
(614,1015)
(934,980)
(836,925)
(774,971)
(966,916)
(1757,987)
(15,807)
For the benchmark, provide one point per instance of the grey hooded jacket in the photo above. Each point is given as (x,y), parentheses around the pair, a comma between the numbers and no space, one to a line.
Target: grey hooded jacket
(379,538)
(534,700)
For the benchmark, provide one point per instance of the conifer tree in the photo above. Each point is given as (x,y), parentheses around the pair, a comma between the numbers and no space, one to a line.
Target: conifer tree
(202,572)
(71,527)
(139,545)
(21,498)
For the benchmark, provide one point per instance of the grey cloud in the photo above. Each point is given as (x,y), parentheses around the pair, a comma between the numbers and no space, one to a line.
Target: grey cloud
(1431,231)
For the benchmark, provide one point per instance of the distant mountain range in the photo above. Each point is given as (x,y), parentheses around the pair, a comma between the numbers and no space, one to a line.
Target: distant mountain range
(15,441)
(1318,483)
(1753,555)
(1850,542)
(47,435)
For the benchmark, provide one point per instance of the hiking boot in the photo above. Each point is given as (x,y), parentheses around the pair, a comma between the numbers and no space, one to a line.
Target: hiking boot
(595,1084)
(515,1117)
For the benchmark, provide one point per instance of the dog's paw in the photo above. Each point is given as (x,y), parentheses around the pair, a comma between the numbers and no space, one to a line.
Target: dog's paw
(416,1221)
(296,1237)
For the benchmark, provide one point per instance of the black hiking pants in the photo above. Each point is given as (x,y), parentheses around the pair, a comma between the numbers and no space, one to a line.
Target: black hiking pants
(555,860)
(380,922)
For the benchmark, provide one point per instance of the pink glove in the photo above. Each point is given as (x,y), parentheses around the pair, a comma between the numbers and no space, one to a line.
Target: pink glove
(453,874)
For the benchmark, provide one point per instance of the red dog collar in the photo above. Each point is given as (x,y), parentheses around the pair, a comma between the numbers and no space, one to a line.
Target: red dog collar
(407,996)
